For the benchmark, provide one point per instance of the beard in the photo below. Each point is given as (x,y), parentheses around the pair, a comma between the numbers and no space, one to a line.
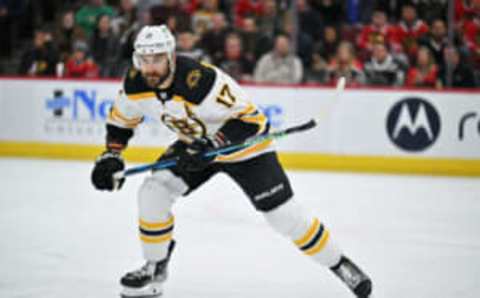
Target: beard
(154,79)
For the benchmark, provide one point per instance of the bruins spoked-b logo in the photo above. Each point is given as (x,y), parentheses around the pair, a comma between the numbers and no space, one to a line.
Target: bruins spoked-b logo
(191,127)
(413,124)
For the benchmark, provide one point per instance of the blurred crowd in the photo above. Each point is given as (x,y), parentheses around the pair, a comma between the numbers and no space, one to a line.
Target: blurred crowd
(370,42)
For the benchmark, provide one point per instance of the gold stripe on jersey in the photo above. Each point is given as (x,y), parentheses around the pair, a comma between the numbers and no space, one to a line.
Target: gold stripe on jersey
(260,119)
(141,96)
(207,65)
(251,115)
(309,234)
(245,152)
(111,118)
(250,109)
(157,225)
(116,115)
(179,98)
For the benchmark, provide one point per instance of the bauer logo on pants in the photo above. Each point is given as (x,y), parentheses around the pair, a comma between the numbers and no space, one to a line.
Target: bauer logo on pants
(413,124)
(270,192)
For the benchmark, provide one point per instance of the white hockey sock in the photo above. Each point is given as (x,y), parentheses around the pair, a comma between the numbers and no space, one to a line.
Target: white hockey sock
(155,238)
(156,197)
(307,232)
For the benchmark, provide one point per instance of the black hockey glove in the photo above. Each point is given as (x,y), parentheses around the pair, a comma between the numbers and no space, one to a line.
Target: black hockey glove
(105,166)
(192,159)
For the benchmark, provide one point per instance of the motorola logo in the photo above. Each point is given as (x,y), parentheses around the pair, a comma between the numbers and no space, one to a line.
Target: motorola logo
(413,124)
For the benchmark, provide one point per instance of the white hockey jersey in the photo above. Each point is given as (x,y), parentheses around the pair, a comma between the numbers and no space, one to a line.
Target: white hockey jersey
(200,101)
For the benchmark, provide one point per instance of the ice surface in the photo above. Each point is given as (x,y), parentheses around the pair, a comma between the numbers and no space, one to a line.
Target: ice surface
(416,236)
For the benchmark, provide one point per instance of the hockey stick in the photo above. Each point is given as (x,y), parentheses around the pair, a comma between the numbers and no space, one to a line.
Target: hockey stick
(167,163)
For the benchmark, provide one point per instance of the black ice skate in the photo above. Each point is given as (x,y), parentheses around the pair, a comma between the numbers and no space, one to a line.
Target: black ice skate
(353,277)
(147,282)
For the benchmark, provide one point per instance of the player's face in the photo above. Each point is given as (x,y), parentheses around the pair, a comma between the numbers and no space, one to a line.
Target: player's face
(154,68)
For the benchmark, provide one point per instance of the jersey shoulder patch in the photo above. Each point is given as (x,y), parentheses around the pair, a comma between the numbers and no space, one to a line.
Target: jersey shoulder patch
(193,80)
(133,82)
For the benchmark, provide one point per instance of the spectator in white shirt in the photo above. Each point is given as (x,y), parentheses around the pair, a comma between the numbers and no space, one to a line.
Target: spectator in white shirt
(279,65)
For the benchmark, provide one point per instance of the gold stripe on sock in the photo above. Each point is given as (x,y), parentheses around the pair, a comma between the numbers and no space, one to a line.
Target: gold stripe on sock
(153,239)
(320,244)
(156,225)
(310,233)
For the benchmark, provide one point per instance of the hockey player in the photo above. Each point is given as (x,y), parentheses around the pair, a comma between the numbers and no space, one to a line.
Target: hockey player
(207,109)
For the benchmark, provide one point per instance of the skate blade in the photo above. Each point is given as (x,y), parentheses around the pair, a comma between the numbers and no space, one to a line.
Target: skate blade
(153,290)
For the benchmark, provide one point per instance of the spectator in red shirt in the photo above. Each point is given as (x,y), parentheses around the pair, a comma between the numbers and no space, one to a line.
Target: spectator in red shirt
(425,72)
(465,9)
(408,31)
(79,65)
(244,8)
(379,31)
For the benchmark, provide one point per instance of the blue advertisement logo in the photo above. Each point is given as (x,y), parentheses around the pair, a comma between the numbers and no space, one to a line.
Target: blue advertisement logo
(82,104)
(274,114)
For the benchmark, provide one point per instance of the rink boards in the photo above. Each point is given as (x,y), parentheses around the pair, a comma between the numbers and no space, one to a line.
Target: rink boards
(394,130)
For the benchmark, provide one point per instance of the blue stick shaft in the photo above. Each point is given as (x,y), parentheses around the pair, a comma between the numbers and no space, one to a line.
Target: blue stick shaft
(167,163)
